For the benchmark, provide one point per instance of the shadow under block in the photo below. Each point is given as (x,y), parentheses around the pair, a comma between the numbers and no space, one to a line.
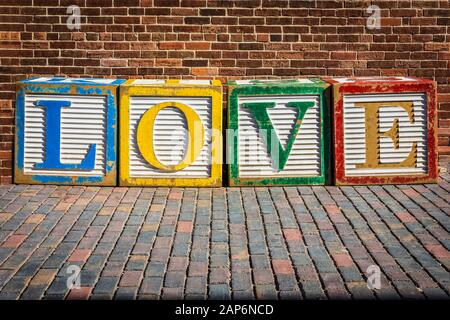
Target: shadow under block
(66,130)
(385,130)
(171,133)
(278,132)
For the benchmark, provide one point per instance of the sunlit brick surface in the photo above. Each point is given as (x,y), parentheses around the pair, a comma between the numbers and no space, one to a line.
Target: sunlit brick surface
(282,243)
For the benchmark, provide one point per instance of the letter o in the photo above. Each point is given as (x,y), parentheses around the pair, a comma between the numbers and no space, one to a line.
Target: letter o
(145,136)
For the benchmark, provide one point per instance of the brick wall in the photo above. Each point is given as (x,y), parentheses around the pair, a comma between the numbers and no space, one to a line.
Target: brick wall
(223,39)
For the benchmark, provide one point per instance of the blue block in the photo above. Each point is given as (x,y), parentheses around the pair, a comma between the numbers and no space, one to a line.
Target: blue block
(66,131)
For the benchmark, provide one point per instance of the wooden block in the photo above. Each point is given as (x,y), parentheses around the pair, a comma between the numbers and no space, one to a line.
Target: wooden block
(385,130)
(278,132)
(171,133)
(66,131)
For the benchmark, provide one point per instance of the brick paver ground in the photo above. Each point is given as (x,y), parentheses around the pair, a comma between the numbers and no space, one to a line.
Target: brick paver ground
(171,243)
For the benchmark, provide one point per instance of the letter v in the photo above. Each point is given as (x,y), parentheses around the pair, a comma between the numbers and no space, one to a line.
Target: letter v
(259,111)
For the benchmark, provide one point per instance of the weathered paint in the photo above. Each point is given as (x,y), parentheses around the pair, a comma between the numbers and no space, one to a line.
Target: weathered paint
(301,87)
(196,136)
(91,82)
(58,87)
(391,85)
(373,135)
(170,91)
(272,142)
(52,138)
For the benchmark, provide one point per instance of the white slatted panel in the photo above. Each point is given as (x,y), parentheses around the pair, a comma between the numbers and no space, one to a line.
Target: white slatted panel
(82,124)
(304,159)
(354,134)
(170,137)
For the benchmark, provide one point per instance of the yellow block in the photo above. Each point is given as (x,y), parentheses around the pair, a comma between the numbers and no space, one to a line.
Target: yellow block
(145,147)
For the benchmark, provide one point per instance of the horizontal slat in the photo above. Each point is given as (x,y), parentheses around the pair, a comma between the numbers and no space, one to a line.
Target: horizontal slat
(174,117)
(67,147)
(386,97)
(385,171)
(362,135)
(405,130)
(285,127)
(393,111)
(361,142)
(355,122)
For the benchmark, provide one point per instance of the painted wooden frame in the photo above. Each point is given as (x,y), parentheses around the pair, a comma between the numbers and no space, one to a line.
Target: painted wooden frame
(69,86)
(383,85)
(279,88)
(172,88)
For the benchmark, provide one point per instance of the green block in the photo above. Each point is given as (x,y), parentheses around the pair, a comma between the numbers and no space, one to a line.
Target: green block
(278,132)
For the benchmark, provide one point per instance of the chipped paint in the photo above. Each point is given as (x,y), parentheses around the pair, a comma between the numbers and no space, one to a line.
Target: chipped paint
(57,86)
(378,86)
(279,88)
(170,89)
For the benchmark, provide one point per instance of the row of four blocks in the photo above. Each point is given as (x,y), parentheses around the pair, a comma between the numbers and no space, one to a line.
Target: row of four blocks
(279,132)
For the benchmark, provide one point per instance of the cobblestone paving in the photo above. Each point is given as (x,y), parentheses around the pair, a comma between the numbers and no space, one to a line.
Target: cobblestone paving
(225,243)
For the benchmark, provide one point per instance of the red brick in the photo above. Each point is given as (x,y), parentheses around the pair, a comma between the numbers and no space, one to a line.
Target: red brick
(292,234)
(178,264)
(405,217)
(130,279)
(81,293)
(198,269)
(80,255)
(171,45)
(219,275)
(200,71)
(444,150)
(184,226)
(332,209)
(438,251)
(9,35)
(14,241)
(343,55)
(198,45)
(282,266)
(43,277)
(263,276)
(342,260)
(157,207)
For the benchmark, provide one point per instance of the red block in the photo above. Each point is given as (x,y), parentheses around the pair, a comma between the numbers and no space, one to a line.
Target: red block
(385,130)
